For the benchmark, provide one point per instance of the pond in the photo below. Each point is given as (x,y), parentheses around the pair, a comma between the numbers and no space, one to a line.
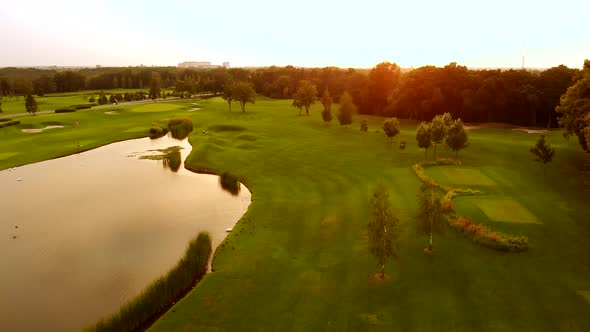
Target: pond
(83,234)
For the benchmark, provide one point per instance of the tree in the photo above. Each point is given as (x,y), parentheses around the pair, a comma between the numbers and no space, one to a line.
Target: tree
(228,93)
(306,95)
(543,152)
(364,126)
(0,104)
(244,93)
(457,136)
(31,104)
(347,109)
(382,228)
(575,105)
(327,103)
(430,212)
(155,85)
(437,131)
(424,137)
(391,128)
(102,99)
(383,79)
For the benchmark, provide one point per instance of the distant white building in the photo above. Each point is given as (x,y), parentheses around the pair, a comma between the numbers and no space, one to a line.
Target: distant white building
(201,64)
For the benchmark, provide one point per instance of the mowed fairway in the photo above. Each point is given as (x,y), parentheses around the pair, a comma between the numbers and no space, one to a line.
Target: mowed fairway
(298,260)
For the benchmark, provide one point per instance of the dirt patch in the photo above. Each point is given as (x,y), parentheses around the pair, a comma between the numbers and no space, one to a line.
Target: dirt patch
(39,130)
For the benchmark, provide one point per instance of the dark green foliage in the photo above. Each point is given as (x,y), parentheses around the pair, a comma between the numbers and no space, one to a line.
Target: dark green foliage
(31,104)
(305,96)
(382,228)
(456,136)
(391,127)
(180,127)
(8,124)
(170,157)
(424,137)
(5,119)
(438,131)
(83,106)
(575,105)
(364,126)
(347,109)
(327,103)
(68,109)
(102,99)
(157,131)
(230,183)
(402,145)
(163,292)
(543,151)
(91,99)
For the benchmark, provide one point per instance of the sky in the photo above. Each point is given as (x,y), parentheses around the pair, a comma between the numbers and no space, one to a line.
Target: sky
(309,33)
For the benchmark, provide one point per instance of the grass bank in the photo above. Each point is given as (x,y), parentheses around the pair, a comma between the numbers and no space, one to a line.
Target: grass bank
(162,293)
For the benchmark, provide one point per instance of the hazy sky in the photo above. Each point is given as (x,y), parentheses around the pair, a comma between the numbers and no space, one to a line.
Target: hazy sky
(314,33)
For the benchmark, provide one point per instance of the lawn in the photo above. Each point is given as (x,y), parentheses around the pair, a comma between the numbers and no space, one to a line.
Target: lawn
(298,259)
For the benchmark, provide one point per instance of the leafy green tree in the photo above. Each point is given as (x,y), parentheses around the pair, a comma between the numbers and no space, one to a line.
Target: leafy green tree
(244,93)
(327,103)
(543,151)
(155,86)
(102,99)
(575,105)
(297,104)
(391,128)
(382,228)
(424,137)
(306,95)
(228,93)
(430,212)
(347,109)
(438,131)
(457,136)
(31,104)
(364,126)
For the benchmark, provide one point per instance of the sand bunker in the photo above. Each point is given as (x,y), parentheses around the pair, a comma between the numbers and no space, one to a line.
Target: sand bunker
(111,112)
(194,109)
(38,130)
(532,131)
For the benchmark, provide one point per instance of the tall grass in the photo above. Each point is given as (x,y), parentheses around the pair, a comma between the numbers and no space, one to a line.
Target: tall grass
(162,293)
(180,127)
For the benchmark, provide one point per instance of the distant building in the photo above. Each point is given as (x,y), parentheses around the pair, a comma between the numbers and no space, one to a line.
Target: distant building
(201,64)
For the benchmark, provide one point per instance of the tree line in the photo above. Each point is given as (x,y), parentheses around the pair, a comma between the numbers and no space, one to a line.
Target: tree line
(519,97)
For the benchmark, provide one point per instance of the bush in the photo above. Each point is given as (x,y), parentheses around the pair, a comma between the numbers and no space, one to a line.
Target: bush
(9,123)
(5,120)
(480,234)
(163,292)
(180,127)
(229,182)
(402,145)
(68,109)
(83,106)
(157,131)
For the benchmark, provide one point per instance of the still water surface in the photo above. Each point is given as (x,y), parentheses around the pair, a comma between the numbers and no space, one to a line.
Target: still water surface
(83,234)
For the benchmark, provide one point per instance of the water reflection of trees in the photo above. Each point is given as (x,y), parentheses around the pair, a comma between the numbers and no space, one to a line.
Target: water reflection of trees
(172,161)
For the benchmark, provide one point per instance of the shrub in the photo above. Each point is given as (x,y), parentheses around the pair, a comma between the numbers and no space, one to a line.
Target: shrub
(5,120)
(229,182)
(163,292)
(481,235)
(68,109)
(9,123)
(83,106)
(157,131)
(180,127)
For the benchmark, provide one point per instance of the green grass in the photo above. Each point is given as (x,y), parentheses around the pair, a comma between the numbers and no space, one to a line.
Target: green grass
(461,176)
(506,210)
(298,259)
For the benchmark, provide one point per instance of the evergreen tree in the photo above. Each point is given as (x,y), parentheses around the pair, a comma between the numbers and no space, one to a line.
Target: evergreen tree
(347,109)
(543,152)
(31,104)
(327,103)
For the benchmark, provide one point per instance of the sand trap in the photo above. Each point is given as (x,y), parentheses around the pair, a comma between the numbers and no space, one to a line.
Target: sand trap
(38,130)
(111,112)
(194,109)
(506,210)
(532,131)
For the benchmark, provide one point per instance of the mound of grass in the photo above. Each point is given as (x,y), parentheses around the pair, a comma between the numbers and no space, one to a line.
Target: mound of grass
(180,127)
(222,128)
(247,137)
(9,123)
(52,123)
(161,294)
